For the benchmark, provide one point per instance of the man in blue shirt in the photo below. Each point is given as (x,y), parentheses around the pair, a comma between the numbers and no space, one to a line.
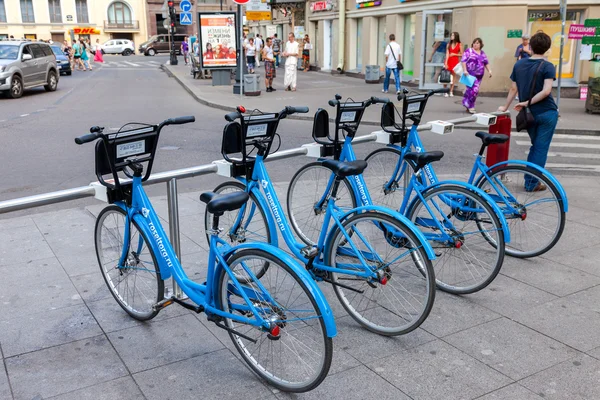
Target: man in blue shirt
(524,49)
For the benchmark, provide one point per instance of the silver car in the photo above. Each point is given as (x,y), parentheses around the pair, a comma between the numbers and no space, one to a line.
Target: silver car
(25,65)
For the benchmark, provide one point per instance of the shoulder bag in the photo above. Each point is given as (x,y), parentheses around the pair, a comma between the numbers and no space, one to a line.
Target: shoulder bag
(525,119)
(398,63)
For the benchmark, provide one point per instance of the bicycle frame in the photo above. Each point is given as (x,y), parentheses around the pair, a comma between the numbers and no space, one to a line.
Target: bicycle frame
(143,214)
(276,218)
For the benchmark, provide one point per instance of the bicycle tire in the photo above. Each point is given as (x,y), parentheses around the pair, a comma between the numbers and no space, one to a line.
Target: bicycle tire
(110,254)
(517,247)
(261,232)
(382,163)
(308,230)
(457,282)
(289,375)
(380,305)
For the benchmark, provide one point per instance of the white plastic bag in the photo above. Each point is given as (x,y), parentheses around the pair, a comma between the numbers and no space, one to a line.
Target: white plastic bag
(458,70)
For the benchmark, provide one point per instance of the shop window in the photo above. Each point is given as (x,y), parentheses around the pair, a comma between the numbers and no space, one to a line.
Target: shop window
(27,11)
(54,9)
(82,11)
(2,11)
(550,23)
(408,48)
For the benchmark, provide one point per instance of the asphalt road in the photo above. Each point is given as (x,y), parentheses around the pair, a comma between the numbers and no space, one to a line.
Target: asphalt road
(38,154)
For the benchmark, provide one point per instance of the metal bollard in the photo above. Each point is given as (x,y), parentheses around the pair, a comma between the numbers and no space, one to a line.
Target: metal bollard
(174,227)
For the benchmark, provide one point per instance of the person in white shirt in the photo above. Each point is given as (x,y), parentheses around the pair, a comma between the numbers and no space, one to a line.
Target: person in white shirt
(292,52)
(250,55)
(259,45)
(393,54)
(269,59)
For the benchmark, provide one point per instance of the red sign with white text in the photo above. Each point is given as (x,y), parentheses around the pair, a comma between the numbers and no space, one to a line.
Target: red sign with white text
(579,31)
(319,6)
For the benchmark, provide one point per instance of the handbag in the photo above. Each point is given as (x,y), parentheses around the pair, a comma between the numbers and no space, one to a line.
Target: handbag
(458,70)
(398,63)
(525,119)
(445,76)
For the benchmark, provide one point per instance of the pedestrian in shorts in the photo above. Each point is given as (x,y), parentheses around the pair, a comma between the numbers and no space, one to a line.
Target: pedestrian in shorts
(269,59)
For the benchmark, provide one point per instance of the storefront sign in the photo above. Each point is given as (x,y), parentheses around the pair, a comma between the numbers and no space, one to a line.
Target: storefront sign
(299,32)
(583,91)
(218,38)
(86,31)
(258,15)
(440,27)
(365,4)
(592,22)
(591,40)
(321,6)
(577,31)
(514,33)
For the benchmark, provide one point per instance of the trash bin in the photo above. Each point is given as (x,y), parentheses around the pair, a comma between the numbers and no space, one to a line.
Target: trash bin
(372,74)
(221,77)
(252,84)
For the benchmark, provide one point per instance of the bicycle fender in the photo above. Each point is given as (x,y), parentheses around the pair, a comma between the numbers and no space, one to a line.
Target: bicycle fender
(271,224)
(543,171)
(162,251)
(300,271)
(486,197)
(395,215)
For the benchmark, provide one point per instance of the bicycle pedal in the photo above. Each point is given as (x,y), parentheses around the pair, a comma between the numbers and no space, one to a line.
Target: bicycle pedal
(173,299)
(162,304)
(309,252)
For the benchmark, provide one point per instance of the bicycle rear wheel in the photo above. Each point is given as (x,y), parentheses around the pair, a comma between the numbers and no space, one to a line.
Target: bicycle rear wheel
(136,285)
(384,166)
(299,357)
(465,233)
(401,302)
(306,189)
(536,219)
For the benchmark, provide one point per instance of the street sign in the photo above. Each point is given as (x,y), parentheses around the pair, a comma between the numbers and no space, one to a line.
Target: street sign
(514,33)
(185,18)
(185,6)
(590,40)
(258,15)
(167,23)
(241,2)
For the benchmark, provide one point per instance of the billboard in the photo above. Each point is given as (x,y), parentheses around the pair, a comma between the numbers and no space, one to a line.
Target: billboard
(218,40)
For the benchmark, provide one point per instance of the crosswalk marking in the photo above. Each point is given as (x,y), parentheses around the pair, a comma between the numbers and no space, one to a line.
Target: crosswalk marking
(130,63)
(562,144)
(562,136)
(572,155)
(575,167)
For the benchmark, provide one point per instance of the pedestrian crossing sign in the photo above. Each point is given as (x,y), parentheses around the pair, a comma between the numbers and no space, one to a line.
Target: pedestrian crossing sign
(185,18)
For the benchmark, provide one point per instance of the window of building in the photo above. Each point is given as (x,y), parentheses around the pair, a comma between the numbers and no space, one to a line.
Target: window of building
(408,50)
(27,11)
(2,11)
(119,13)
(54,8)
(82,11)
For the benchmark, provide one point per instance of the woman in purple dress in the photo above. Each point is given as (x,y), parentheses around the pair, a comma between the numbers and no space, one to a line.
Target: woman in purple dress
(474,62)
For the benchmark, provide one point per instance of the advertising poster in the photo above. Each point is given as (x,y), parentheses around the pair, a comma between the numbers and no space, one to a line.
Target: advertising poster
(218,40)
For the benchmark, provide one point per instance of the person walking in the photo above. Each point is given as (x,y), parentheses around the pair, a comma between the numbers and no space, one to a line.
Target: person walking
(259,45)
(269,60)
(306,53)
(453,54)
(532,79)
(276,49)
(438,56)
(524,49)
(84,55)
(68,52)
(393,55)
(98,55)
(292,53)
(251,55)
(474,62)
(185,49)
(77,50)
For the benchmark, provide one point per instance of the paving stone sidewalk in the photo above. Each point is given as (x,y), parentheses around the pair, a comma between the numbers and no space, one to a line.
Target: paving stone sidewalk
(533,333)
(316,88)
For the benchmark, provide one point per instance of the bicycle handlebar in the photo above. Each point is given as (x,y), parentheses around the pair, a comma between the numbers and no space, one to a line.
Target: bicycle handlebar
(382,100)
(179,120)
(293,110)
(334,103)
(232,116)
(88,137)
(288,110)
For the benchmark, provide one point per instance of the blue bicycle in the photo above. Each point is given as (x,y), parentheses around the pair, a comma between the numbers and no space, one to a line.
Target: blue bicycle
(532,200)
(281,324)
(378,263)
(463,224)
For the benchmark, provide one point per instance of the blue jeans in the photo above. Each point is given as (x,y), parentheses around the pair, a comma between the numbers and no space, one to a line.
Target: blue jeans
(277,60)
(386,82)
(541,135)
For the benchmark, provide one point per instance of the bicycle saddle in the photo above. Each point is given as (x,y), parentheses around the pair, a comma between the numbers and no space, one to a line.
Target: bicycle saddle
(344,169)
(219,203)
(488,138)
(419,160)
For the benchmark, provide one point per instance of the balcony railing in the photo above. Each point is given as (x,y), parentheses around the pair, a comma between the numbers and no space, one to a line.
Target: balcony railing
(125,25)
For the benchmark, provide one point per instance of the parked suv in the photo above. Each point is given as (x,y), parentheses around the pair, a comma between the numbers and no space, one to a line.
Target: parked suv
(119,46)
(160,44)
(24,65)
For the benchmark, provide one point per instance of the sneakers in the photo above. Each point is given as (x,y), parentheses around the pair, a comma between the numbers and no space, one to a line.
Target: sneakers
(383,91)
(273,89)
(451,94)
(269,90)
(398,91)
(446,95)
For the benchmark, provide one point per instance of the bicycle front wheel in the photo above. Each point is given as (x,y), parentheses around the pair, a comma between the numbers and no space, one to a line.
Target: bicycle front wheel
(536,219)
(401,298)
(298,358)
(465,233)
(136,284)
(309,187)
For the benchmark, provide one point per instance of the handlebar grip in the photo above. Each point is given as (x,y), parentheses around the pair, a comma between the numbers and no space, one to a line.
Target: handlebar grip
(88,137)
(443,90)
(298,110)
(232,116)
(180,120)
(382,100)
(334,103)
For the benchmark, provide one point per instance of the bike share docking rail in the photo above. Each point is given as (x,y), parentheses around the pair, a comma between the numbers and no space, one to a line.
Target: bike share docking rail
(94,189)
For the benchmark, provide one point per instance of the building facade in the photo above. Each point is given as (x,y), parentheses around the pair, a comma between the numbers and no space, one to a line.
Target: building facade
(348,35)
(59,19)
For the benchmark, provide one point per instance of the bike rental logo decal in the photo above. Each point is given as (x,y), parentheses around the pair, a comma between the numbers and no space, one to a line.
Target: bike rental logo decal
(274,207)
